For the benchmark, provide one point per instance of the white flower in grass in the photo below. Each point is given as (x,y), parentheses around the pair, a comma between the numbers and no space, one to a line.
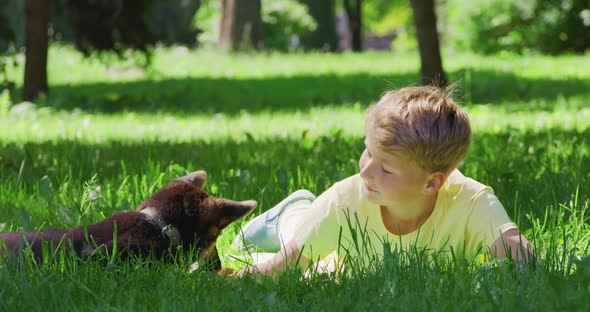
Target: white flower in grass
(86,122)
(94,194)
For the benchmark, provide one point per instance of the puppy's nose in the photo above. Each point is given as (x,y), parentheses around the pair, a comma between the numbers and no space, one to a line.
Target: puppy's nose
(249,203)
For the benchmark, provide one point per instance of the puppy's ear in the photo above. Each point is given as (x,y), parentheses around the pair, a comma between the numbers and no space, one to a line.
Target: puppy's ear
(233,210)
(196,178)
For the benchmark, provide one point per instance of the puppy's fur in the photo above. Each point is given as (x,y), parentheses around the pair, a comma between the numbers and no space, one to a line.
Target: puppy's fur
(183,204)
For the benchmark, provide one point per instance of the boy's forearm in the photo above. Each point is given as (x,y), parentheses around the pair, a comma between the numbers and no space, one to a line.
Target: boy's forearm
(288,255)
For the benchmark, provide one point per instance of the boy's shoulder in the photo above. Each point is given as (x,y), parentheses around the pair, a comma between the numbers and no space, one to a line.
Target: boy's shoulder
(349,184)
(347,191)
(458,185)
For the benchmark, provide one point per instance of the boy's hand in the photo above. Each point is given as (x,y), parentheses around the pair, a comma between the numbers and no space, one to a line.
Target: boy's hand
(245,271)
(240,273)
(225,272)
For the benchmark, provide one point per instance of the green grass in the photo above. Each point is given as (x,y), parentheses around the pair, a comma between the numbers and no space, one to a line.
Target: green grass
(265,125)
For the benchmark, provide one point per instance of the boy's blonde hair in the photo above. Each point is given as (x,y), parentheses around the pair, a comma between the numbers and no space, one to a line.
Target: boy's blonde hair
(423,124)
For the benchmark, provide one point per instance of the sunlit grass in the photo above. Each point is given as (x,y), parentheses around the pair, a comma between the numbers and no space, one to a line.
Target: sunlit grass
(30,124)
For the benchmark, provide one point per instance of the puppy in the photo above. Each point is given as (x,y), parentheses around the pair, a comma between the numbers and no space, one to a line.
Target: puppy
(178,218)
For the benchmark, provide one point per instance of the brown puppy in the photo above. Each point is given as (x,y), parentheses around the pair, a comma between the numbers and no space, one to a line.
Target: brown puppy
(181,216)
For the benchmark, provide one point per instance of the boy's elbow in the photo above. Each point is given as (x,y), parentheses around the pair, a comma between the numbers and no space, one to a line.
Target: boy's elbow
(512,244)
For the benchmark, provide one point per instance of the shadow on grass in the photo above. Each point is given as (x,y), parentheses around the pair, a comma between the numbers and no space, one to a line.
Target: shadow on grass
(230,96)
(227,96)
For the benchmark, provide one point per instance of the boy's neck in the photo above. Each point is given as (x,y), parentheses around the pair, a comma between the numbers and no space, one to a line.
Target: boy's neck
(407,219)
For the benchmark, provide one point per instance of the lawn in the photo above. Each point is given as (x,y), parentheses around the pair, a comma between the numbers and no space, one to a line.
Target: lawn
(264,125)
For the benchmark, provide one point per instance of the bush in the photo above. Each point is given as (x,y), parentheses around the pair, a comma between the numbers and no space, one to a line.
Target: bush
(283,20)
(386,16)
(548,26)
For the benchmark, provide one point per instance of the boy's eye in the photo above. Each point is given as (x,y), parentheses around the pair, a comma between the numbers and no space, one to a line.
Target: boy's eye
(385,170)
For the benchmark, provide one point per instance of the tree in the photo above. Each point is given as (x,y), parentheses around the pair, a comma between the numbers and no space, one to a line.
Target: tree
(324,37)
(98,26)
(428,43)
(241,25)
(353,10)
(110,25)
(36,45)
(171,21)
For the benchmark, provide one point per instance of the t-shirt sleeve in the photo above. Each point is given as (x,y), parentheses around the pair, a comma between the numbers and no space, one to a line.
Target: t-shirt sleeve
(315,228)
(487,223)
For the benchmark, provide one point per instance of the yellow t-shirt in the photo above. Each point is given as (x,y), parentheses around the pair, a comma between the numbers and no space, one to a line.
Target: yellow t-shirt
(467,219)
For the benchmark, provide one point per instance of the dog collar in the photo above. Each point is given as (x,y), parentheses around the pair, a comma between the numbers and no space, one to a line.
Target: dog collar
(168,230)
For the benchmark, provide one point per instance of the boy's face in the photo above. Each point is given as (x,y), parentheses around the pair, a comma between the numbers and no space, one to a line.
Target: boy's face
(390,180)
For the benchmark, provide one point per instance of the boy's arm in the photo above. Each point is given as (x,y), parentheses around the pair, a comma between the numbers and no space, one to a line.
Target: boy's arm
(289,254)
(514,245)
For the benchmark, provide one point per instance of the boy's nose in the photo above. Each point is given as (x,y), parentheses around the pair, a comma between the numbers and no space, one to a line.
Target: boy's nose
(365,165)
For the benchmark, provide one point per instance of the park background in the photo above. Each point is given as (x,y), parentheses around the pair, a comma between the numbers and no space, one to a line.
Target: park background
(103,102)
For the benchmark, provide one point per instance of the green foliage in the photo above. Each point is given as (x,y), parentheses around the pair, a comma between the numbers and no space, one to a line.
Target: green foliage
(565,26)
(5,102)
(7,62)
(282,19)
(383,16)
(539,25)
(207,20)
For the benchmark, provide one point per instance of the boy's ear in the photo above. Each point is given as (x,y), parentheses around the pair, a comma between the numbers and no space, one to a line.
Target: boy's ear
(434,182)
(196,178)
(233,210)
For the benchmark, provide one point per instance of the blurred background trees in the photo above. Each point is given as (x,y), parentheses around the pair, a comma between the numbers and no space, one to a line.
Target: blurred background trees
(428,43)
(324,36)
(354,14)
(282,24)
(241,25)
(37,43)
(545,26)
(481,26)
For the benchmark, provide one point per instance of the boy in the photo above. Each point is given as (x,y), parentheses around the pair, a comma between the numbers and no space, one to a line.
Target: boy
(408,193)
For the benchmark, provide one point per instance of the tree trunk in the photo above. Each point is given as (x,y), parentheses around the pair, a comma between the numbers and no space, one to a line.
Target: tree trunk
(36,45)
(425,22)
(355,25)
(241,25)
(325,36)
